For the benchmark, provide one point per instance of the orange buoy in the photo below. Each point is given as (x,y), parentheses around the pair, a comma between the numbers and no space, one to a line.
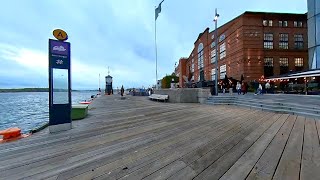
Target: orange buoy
(11,134)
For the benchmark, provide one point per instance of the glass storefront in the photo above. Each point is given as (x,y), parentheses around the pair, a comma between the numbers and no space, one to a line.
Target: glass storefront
(314,33)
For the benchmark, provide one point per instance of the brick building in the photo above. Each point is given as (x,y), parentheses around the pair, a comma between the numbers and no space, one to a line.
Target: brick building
(254,44)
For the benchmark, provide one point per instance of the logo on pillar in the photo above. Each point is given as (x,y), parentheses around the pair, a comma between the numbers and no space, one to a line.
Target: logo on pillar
(59,61)
(60,34)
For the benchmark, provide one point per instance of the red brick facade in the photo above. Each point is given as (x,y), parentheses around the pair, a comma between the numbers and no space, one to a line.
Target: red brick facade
(245,39)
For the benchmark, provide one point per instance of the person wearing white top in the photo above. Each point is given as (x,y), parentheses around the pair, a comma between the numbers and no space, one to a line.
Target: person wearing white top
(260,89)
(238,87)
(267,87)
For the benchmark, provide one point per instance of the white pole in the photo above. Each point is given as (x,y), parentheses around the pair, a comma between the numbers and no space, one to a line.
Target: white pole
(216,51)
(155,41)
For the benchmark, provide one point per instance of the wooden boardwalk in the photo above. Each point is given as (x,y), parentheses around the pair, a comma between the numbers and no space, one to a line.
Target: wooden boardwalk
(140,139)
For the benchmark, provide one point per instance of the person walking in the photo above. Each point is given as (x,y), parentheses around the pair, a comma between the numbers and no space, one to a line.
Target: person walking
(260,88)
(267,87)
(122,90)
(238,87)
(243,88)
(223,88)
(256,87)
(231,89)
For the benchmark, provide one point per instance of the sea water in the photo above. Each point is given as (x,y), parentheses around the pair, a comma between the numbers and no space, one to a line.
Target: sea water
(28,110)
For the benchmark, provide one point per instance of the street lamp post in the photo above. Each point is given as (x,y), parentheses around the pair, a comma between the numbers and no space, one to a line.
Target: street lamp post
(216,51)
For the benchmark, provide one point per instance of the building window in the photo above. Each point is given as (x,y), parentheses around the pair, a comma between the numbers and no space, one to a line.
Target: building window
(267,22)
(213,56)
(284,65)
(298,63)
(223,71)
(192,68)
(213,44)
(200,56)
(283,23)
(223,50)
(298,24)
(270,22)
(213,74)
(222,37)
(268,67)
(283,41)
(298,41)
(268,41)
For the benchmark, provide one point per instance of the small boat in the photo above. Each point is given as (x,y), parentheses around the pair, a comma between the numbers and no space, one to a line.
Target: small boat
(85,102)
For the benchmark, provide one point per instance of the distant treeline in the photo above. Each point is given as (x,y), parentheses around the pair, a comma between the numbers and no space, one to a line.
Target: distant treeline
(32,90)
(25,90)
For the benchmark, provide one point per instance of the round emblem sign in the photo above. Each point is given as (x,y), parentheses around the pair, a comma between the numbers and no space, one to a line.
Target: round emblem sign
(60,34)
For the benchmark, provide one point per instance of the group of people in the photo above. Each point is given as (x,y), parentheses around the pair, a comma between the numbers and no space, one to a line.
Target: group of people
(259,88)
(243,88)
(240,87)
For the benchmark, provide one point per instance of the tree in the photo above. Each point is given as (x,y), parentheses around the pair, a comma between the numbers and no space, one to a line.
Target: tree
(166,81)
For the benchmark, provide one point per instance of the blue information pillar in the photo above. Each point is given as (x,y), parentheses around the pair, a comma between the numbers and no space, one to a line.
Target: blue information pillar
(59,86)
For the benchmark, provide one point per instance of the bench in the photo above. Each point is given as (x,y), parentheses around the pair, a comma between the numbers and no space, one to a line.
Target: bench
(159,97)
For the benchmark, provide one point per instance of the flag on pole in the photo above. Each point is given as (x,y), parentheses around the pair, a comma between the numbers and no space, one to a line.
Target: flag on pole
(158,10)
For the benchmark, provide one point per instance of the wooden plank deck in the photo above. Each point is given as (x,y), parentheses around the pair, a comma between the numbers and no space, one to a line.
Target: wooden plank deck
(140,139)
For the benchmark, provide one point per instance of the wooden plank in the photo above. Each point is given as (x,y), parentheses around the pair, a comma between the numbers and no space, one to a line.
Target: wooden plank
(57,165)
(214,144)
(230,155)
(154,167)
(310,164)
(167,171)
(173,139)
(289,165)
(89,132)
(138,166)
(63,158)
(200,158)
(266,166)
(186,173)
(243,166)
(104,168)
(318,128)
(123,116)
(82,138)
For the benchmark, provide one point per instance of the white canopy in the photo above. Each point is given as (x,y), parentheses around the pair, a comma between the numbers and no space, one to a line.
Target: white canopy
(310,73)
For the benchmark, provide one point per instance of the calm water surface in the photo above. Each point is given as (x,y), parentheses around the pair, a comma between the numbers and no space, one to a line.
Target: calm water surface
(28,110)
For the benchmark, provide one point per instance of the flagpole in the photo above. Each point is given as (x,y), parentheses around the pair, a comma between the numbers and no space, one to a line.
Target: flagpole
(155,42)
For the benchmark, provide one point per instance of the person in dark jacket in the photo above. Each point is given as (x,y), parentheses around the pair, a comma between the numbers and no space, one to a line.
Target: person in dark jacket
(122,90)
(255,86)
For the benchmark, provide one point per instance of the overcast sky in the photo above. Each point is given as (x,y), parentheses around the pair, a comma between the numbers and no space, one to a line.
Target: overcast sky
(114,33)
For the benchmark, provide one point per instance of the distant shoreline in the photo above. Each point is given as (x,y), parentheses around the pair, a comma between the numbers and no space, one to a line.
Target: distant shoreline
(32,90)
(25,90)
